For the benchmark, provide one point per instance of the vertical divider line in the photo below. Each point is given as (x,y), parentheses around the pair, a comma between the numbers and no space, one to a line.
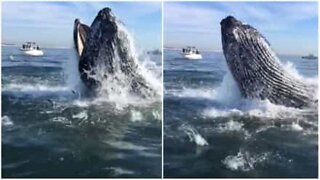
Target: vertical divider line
(318,8)
(162,100)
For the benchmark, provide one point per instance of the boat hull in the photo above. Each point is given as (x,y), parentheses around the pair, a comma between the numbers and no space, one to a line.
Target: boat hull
(33,53)
(192,56)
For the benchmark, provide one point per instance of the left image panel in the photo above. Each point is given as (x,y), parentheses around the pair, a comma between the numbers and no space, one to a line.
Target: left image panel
(81,89)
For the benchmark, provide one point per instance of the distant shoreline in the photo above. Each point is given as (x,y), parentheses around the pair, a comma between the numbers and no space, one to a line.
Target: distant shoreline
(14,45)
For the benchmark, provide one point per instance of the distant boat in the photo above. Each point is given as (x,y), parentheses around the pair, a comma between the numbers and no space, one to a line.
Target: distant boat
(155,52)
(310,56)
(31,49)
(191,53)
(7,44)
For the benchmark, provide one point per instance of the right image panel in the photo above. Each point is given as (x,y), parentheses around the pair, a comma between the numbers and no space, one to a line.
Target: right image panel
(240,89)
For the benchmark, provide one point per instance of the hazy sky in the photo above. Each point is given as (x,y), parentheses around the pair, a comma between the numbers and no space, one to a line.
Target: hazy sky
(51,23)
(290,27)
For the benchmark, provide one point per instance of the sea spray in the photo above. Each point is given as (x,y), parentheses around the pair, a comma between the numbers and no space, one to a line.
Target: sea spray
(71,71)
(228,92)
(116,87)
(291,69)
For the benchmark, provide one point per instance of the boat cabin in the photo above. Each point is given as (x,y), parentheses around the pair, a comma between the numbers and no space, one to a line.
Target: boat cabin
(30,46)
(190,50)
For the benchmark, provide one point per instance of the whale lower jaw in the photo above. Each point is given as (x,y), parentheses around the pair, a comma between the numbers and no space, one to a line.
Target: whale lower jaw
(80,32)
(257,70)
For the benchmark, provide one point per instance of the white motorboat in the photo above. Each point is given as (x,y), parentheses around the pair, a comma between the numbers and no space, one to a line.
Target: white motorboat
(31,49)
(191,53)
(310,56)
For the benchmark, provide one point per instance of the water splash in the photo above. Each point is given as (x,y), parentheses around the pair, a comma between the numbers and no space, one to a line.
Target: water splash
(81,115)
(136,116)
(244,161)
(117,88)
(194,135)
(6,121)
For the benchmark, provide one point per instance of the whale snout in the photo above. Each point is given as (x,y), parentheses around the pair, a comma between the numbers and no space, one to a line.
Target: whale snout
(229,31)
(106,14)
(230,23)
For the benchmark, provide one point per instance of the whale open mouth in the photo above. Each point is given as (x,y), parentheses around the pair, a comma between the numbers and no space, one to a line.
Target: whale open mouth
(96,46)
(80,32)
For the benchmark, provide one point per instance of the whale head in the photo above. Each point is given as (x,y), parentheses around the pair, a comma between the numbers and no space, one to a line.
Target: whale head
(97,46)
(256,68)
(246,52)
(105,52)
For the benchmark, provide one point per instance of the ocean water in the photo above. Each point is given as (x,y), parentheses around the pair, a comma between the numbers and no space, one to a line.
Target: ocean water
(211,131)
(51,127)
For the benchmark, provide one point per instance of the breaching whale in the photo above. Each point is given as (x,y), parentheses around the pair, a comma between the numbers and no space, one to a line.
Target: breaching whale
(103,51)
(257,70)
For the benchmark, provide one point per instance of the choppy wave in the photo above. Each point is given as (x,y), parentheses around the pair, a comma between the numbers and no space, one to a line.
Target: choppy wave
(38,90)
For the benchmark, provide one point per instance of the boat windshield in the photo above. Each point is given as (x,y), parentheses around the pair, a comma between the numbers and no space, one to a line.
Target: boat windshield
(190,50)
(30,46)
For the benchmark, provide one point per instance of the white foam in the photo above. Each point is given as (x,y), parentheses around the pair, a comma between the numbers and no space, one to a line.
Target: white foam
(231,126)
(81,103)
(157,115)
(6,121)
(81,115)
(34,88)
(126,145)
(227,93)
(256,108)
(243,161)
(120,171)
(236,162)
(136,116)
(60,119)
(213,112)
(296,127)
(195,93)
(194,135)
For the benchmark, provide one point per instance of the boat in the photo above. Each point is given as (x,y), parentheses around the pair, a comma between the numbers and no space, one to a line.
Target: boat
(155,52)
(31,49)
(310,56)
(191,53)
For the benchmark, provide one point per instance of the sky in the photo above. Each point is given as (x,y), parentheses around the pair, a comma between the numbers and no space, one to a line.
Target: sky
(50,24)
(290,27)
